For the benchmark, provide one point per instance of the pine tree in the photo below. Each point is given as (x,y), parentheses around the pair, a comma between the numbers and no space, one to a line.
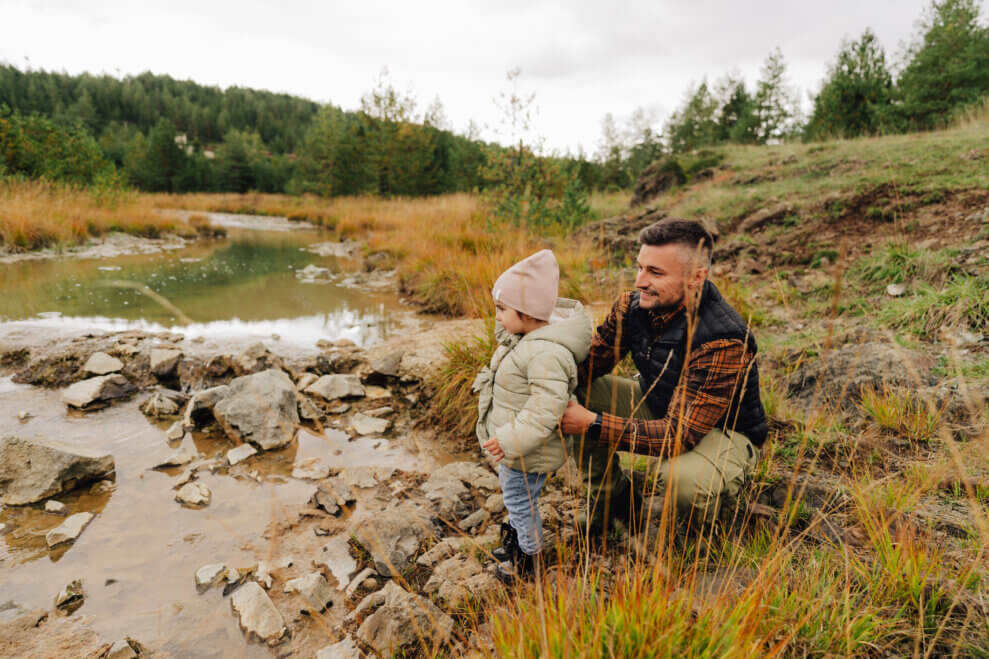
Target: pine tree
(777,108)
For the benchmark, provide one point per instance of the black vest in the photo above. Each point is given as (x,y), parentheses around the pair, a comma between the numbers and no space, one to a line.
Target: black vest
(662,356)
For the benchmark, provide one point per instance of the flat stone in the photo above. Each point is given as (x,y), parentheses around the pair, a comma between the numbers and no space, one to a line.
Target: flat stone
(175,432)
(394,535)
(495,503)
(100,363)
(337,559)
(68,530)
(164,361)
(200,406)
(56,507)
(402,620)
(97,390)
(209,575)
(389,364)
(368,425)
(376,393)
(71,597)
(474,519)
(194,494)
(379,412)
(260,409)
(345,649)
(35,469)
(258,615)
(469,473)
(443,549)
(240,453)
(314,590)
(305,380)
(310,468)
(458,579)
(182,456)
(340,408)
(121,650)
(332,387)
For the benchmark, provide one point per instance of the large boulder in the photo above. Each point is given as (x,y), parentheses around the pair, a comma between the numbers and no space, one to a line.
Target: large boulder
(403,620)
(393,537)
(94,391)
(839,376)
(260,409)
(34,469)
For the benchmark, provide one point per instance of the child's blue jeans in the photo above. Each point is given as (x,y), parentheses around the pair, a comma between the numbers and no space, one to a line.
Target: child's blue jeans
(521,492)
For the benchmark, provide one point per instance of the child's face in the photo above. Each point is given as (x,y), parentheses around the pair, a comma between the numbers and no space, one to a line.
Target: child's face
(510,319)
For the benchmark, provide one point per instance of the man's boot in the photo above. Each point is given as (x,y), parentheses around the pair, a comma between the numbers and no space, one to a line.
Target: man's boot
(509,544)
(521,566)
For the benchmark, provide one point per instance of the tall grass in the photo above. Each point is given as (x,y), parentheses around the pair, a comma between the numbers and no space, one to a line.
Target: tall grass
(36,214)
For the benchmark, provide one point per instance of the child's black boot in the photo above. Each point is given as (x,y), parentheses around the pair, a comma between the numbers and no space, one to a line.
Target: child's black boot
(509,544)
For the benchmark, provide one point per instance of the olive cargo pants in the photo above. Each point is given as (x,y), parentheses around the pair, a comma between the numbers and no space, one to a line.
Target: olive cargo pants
(701,480)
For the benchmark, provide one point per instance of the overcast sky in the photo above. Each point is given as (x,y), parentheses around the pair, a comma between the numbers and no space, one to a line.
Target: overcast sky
(581,59)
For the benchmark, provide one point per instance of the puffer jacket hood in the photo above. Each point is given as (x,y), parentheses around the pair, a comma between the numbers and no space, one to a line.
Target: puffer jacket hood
(523,392)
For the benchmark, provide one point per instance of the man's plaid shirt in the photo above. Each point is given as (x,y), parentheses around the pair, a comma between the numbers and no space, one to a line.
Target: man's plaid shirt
(713,372)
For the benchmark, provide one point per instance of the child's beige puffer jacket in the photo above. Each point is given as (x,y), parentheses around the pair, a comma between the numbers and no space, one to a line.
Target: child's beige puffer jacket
(525,390)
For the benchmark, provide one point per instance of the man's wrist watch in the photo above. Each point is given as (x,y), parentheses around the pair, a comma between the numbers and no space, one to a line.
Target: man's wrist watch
(594,430)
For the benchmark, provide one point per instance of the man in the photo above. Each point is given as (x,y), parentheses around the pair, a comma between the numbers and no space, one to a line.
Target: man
(695,357)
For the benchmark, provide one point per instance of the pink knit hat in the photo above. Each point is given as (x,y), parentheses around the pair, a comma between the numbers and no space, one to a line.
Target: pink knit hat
(530,286)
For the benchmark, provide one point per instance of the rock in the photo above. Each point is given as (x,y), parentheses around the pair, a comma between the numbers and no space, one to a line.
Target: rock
(373,392)
(307,410)
(24,415)
(443,549)
(100,363)
(194,494)
(68,530)
(764,216)
(458,579)
(475,519)
(368,425)
(258,615)
(388,365)
(164,361)
(311,468)
(260,409)
(56,507)
(3,528)
(364,477)
(163,403)
(255,358)
(469,473)
(495,504)
(184,455)
(332,494)
(345,649)
(32,470)
(121,650)
(199,410)
(659,177)
(356,582)
(340,408)
(337,559)
(71,597)
(305,380)
(346,249)
(404,619)
(102,487)
(896,290)
(209,575)
(175,432)
(313,274)
(240,453)
(393,536)
(379,412)
(97,390)
(840,376)
(332,387)
(314,590)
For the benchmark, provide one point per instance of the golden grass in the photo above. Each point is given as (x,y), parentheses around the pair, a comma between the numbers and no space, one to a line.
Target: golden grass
(36,214)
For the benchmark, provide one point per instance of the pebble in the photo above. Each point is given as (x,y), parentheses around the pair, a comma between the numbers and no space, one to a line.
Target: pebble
(208,575)
(68,530)
(194,494)
(52,506)
(240,453)
(24,415)
(71,597)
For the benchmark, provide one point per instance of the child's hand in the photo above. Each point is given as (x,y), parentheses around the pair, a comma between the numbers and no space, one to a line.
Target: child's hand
(494,448)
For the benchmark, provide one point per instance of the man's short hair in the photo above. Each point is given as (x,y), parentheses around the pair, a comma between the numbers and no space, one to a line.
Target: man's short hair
(676,231)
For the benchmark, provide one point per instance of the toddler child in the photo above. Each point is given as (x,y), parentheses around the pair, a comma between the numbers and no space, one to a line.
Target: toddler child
(523,393)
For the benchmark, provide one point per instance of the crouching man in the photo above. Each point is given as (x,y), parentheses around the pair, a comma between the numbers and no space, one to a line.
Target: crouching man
(695,402)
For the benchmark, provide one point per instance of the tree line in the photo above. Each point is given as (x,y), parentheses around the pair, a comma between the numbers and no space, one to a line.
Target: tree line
(943,71)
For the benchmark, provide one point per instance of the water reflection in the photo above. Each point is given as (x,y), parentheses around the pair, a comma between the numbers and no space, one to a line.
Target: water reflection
(246,285)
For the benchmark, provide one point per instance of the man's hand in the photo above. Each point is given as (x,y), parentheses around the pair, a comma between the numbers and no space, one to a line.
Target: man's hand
(494,448)
(576,419)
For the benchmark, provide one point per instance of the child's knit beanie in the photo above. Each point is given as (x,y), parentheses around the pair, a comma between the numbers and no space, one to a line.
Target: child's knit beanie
(530,286)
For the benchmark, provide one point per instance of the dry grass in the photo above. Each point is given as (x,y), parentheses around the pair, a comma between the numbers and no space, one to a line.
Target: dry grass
(36,214)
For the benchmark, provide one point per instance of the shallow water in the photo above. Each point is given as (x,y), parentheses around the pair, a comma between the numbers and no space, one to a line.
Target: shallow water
(245,284)
(138,557)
